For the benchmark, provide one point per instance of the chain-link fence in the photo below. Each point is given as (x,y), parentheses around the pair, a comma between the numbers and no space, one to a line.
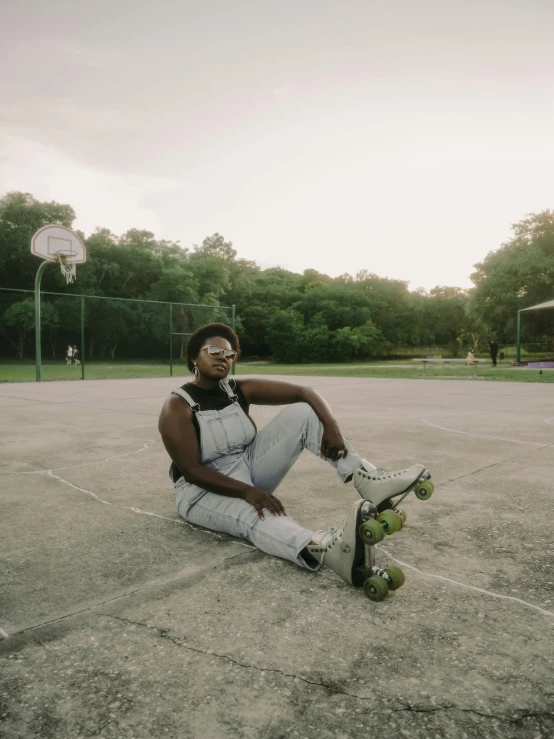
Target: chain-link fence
(88,337)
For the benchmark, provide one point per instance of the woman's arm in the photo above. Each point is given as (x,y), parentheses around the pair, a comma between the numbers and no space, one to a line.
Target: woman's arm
(272,392)
(179,438)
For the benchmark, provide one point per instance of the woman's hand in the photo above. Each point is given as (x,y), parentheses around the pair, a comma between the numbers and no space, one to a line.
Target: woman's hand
(332,443)
(261,499)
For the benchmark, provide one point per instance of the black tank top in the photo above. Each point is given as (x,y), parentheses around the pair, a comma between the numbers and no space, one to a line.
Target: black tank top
(209,400)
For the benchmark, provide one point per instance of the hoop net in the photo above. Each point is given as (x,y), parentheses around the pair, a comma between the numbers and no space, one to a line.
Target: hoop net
(68,269)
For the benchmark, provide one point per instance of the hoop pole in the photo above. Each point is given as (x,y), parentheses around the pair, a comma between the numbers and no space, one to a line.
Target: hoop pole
(171,339)
(233,370)
(38,354)
(82,337)
(518,337)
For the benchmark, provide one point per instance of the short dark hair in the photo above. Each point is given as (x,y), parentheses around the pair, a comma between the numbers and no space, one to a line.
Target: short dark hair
(204,332)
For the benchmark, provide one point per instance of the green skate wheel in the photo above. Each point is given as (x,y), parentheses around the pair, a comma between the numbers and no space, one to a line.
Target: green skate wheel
(424,490)
(376,588)
(391,521)
(396,577)
(371,532)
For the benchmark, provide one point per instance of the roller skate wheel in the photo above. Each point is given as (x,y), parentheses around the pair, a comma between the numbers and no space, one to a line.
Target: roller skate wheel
(391,521)
(396,577)
(376,588)
(402,513)
(424,490)
(371,532)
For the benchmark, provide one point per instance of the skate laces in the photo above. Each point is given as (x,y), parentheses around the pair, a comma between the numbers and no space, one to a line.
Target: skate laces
(335,534)
(381,472)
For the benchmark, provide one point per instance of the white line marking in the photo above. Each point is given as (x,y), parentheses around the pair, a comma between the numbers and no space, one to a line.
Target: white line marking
(145,446)
(425,420)
(179,521)
(469,587)
(3,634)
(549,420)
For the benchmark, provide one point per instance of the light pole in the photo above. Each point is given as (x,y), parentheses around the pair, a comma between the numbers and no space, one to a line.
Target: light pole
(518,335)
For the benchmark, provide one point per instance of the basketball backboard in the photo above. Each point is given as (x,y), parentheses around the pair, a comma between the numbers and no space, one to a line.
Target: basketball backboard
(51,242)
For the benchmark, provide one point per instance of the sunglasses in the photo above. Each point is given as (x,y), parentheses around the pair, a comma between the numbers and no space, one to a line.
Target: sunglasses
(216,351)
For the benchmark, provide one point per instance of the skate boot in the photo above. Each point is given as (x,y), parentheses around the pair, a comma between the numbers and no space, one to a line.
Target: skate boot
(380,486)
(350,551)
(342,550)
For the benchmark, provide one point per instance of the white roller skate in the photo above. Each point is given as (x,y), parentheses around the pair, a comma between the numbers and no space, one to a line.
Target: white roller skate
(380,486)
(350,551)
(342,550)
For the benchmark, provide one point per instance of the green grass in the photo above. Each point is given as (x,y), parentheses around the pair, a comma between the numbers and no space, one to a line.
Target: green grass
(25,371)
(404,370)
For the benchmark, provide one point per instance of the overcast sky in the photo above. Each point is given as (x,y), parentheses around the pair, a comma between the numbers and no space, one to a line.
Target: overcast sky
(399,136)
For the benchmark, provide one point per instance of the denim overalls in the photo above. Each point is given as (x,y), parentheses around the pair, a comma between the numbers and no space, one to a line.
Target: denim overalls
(229,444)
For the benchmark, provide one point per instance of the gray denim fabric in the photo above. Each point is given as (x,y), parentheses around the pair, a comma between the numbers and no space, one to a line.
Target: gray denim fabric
(230,445)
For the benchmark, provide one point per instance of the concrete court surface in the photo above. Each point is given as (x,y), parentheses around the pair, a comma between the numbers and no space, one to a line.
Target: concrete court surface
(120,620)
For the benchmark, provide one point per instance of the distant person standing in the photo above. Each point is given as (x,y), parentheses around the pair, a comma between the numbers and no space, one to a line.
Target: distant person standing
(69,354)
(75,352)
(493,348)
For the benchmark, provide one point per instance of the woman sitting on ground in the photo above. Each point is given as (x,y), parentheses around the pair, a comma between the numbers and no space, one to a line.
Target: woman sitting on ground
(225,472)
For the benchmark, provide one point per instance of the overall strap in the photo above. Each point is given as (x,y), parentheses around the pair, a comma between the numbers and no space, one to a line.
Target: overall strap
(195,407)
(225,385)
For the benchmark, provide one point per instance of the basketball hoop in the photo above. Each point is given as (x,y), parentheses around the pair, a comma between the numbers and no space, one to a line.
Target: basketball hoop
(68,269)
(59,244)
(55,244)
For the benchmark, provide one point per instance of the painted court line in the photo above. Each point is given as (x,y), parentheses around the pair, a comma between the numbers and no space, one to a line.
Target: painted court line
(470,587)
(181,522)
(146,445)
(143,448)
(178,521)
(134,509)
(427,422)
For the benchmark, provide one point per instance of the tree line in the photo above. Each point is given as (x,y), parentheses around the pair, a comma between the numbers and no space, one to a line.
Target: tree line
(291,317)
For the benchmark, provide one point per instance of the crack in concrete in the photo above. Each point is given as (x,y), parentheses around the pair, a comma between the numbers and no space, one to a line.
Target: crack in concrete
(143,448)
(453,707)
(44,646)
(164,633)
(128,594)
(494,464)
